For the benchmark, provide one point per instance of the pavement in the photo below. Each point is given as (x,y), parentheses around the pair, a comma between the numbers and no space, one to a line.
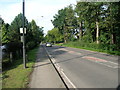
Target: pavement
(44,74)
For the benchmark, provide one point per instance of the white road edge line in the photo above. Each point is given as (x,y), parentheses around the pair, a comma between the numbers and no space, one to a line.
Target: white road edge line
(61,71)
(63,74)
(68,79)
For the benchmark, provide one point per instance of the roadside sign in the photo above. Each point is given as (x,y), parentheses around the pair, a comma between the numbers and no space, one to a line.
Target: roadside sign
(21,30)
(21,38)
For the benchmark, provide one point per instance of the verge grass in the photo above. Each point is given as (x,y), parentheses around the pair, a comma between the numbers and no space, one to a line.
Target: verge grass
(16,76)
(91,46)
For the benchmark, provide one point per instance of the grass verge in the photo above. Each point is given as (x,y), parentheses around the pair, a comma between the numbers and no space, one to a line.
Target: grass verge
(16,76)
(90,46)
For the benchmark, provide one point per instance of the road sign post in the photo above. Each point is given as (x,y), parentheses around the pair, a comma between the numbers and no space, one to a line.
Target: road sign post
(24,58)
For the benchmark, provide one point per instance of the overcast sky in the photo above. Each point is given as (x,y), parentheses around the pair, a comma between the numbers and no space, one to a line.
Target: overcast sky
(34,9)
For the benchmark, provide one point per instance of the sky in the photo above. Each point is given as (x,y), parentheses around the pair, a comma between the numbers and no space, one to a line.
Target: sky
(42,11)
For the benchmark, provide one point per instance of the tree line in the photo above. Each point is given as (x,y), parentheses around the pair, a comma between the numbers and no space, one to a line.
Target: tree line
(11,32)
(11,36)
(91,22)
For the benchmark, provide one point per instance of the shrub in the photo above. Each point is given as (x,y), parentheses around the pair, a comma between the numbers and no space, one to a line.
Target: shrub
(110,48)
(30,45)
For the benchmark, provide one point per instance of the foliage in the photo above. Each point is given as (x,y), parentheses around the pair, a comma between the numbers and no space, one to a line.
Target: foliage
(54,36)
(30,45)
(107,48)
(14,30)
(91,22)
(34,35)
(66,22)
(11,37)
(5,38)
(11,33)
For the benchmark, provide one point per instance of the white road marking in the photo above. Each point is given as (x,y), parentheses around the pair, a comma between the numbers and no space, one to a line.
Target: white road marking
(68,79)
(113,62)
(63,74)
(61,71)
(108,65)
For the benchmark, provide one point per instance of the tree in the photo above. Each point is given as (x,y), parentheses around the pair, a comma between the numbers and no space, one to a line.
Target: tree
(66,22)
(96,16)
(113,21)
(81,11)
(11,33)
(1,24)
(14,30)
(54,36)
(5,28)
(34,34)
(90,16)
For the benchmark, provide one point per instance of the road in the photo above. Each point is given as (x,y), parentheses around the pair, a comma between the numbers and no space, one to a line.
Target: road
(86,69)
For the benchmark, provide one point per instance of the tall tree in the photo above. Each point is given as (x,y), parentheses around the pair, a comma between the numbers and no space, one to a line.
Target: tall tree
(96,16)
(1,24)
(114,22)
(34,34)
(5,28)
(81,10)
(14,31)
(65,21)
(54,36)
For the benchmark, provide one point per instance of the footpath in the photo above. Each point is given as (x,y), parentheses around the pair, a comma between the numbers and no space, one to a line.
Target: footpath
(44,74)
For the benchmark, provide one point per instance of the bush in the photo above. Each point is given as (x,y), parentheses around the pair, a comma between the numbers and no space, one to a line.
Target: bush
(30,45)
(87,38)
(109,48)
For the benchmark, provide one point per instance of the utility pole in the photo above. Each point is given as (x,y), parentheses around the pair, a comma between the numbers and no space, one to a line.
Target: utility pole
(24,56)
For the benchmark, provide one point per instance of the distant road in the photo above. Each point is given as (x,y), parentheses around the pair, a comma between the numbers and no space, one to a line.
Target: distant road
(86,69)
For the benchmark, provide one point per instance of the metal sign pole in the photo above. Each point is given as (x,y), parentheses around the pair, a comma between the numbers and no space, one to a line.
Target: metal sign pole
(24,59)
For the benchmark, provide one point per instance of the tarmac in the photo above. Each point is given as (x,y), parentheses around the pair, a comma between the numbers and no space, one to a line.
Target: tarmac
(44,74)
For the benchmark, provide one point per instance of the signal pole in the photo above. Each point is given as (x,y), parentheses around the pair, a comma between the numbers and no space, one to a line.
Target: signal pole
(24,57)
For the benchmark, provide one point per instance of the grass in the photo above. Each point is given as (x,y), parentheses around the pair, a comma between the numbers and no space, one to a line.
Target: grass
(16,76)
(90,46)
(60,44)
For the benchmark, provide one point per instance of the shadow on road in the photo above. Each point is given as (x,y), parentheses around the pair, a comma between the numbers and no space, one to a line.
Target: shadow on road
(55,51)
(42,55)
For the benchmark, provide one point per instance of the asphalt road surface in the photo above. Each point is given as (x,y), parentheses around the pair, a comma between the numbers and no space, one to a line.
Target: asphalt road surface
(86,69)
